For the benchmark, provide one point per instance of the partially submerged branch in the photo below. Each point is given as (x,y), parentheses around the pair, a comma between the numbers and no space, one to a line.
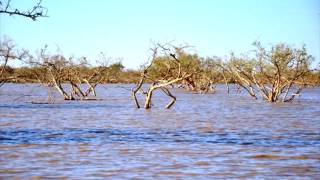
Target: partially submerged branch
(7,54)
(274,74)
(60,73)
(164,71)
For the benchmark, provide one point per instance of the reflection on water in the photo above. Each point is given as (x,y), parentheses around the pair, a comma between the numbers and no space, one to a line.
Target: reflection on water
(203,136)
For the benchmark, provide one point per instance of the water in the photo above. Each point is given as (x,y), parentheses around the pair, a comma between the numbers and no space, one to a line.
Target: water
(202,137)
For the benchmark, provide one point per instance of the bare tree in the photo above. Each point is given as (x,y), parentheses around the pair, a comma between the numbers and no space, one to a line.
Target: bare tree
(163,71)
(58,72)
(8,53)
(33,13)
(274,74)
(78,74)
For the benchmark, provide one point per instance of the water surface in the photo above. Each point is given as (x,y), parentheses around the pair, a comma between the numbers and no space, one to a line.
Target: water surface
(203,136)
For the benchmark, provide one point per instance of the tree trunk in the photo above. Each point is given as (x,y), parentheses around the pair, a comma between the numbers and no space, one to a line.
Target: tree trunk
(147,104)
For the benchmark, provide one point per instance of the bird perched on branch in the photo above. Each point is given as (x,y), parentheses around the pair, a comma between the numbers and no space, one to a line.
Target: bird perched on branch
(173,55)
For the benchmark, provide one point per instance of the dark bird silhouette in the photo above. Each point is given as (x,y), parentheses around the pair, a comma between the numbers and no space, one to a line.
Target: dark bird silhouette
(173,55)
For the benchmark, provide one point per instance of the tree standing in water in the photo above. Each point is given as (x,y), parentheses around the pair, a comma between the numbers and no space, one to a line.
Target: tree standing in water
(278,74)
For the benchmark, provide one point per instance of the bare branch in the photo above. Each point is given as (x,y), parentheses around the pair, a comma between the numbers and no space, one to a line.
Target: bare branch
(33,13)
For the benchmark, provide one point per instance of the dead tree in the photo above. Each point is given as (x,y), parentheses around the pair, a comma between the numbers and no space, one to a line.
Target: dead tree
(59,72)
(7,54)
(241,73)
(203,78)
(274,74)
(33,13)
(163,71)
(77,76)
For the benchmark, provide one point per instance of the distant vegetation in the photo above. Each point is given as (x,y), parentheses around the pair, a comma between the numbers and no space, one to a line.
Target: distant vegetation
(276,74)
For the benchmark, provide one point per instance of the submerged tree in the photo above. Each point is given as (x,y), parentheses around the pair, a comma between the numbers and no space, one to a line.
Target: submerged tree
(278,74)
(164,70)
(7,54)
(200,81)
(58,72)
(207,75)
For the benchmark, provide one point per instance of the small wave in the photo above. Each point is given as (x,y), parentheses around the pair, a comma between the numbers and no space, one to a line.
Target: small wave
(65,136)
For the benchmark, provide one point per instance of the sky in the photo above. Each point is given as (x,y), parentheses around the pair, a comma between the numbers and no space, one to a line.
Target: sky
(126,29)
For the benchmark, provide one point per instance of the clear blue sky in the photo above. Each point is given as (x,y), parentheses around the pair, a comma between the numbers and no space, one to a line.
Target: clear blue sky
(126,28)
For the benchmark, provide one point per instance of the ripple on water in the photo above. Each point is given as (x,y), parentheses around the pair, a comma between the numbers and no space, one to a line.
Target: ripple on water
(203,136)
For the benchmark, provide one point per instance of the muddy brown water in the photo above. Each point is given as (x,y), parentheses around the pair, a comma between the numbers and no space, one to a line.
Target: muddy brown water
(202,137)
